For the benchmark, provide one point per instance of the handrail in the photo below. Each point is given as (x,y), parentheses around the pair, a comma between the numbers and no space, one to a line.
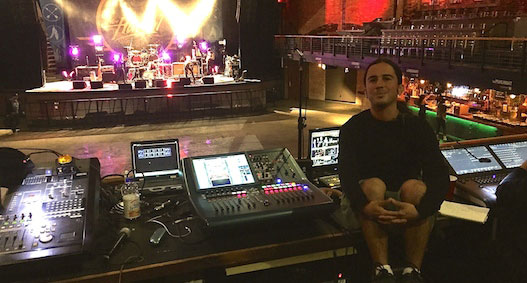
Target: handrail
(512,39)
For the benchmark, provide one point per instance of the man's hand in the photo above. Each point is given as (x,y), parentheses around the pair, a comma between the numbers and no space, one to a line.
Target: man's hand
(407,210)
(376,211)
(331,192)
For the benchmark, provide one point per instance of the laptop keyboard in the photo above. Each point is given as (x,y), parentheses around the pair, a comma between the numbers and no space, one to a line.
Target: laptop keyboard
(332,181)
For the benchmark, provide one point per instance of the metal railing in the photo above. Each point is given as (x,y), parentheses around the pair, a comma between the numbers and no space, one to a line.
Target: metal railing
(486,52)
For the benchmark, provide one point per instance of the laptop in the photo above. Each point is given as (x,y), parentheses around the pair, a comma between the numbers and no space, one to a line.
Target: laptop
(324,152)
(157,164)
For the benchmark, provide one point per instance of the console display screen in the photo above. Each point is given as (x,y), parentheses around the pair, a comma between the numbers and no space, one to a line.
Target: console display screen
(512,155)
(463,162)
(221,171)
(324,147)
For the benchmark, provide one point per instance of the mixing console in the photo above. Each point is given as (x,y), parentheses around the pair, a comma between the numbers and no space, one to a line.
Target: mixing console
(51,214)
(245,187)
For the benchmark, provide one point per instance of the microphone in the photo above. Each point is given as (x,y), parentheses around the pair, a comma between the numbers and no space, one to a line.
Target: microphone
(123,234)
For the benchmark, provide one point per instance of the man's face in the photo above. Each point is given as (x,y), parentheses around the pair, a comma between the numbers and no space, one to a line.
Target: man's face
(382,87)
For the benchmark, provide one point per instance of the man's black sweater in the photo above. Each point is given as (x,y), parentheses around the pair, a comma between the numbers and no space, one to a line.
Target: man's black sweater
(394,151)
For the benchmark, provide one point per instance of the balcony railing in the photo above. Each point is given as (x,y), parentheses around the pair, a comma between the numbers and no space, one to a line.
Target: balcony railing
(501,53)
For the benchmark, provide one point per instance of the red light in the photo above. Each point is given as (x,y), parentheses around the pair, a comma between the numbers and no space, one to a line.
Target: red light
(340,275)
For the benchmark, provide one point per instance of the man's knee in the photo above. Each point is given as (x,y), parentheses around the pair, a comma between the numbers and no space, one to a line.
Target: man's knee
(412,191)
(373,188)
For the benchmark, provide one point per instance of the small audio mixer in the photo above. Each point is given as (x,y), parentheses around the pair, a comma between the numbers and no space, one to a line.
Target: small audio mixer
(251,186)
(51,214)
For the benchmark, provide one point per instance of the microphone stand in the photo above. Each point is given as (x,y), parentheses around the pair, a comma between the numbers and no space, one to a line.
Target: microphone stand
(301,118)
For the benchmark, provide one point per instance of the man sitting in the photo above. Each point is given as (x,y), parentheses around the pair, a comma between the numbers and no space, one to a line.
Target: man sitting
(392,172)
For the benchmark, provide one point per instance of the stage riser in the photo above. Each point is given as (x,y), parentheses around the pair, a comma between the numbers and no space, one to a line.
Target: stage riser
(108,112)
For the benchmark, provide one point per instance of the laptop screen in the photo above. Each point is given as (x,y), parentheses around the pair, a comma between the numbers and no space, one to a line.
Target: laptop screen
(155,158)
(512,155)
(466,160)
(221,171)
(324,146)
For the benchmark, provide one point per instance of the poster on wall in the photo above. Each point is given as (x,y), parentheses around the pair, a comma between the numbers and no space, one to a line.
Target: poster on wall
(138,24)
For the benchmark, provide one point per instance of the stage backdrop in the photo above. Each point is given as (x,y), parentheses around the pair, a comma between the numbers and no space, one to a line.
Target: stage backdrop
(141,22)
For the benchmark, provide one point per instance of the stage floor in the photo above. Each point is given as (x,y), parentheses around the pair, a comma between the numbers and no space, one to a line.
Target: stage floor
(67,86)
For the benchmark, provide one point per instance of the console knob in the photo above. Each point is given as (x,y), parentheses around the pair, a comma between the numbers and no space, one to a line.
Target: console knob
(46,238)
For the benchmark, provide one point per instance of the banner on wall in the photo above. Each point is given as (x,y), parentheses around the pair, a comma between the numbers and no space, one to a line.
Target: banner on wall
(138,23)
(53,16)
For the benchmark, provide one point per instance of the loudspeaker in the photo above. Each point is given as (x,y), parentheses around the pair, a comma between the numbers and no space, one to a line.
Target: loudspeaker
(96,84)
(184,81)
(125,86)
(140,84)
(79,84)
(208,80)
(108,77)
(23,48)
(160,83)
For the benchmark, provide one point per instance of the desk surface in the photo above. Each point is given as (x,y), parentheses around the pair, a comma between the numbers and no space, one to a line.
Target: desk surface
(200,251)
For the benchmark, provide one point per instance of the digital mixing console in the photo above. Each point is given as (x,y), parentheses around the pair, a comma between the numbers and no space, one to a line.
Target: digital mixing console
(52,213)
(251,186)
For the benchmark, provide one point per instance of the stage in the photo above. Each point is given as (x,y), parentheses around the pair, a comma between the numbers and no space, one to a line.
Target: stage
(58,104)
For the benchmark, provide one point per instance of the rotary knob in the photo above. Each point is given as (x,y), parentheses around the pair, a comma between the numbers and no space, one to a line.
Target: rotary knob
(46,238)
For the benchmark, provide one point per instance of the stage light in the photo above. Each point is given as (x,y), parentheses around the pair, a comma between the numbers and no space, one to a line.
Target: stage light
(116,57)
(97,39)
(74,51)
(512,96)
(99,48)
(323,66)
(165,56)
(422,82)
(448,85)
(204,46)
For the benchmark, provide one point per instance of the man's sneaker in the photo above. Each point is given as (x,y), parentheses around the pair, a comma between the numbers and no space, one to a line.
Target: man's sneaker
(412,277)
(383,276)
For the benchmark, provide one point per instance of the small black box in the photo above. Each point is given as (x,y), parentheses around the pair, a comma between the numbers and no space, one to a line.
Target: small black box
(208,80)
(160,83)
(96,84)
(125,86)
(79,84)
(108,77)
(140,84)
(184,81)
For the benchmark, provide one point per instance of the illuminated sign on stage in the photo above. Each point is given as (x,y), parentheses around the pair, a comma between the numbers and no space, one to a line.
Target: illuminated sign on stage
(138,23)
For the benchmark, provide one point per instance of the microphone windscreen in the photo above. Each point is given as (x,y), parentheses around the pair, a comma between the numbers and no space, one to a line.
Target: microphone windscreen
(126,231)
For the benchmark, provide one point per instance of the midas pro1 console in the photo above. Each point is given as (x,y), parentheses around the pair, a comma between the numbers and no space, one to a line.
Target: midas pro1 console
(52,213)
(250,186)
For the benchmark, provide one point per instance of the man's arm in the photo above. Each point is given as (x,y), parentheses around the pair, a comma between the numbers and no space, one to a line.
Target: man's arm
(435,174)
(3,193)
(348,170)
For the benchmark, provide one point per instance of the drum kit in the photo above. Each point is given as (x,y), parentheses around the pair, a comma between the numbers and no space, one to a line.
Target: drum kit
(146,64)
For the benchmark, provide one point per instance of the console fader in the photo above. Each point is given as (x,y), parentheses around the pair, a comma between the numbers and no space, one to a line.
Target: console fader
(251,186)
(52,213)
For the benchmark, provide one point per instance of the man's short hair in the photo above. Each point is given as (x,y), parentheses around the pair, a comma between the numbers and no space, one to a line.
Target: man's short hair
(395,67)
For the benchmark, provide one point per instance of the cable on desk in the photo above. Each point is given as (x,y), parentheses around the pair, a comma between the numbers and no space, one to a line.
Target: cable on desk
(189,231)
(41,150)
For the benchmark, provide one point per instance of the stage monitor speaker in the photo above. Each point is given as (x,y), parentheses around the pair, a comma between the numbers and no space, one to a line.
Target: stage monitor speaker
(96,84)
(125,86)
(79,84)
(184,81)
(208,80)
(140,84)
(108,77)
(160,83)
